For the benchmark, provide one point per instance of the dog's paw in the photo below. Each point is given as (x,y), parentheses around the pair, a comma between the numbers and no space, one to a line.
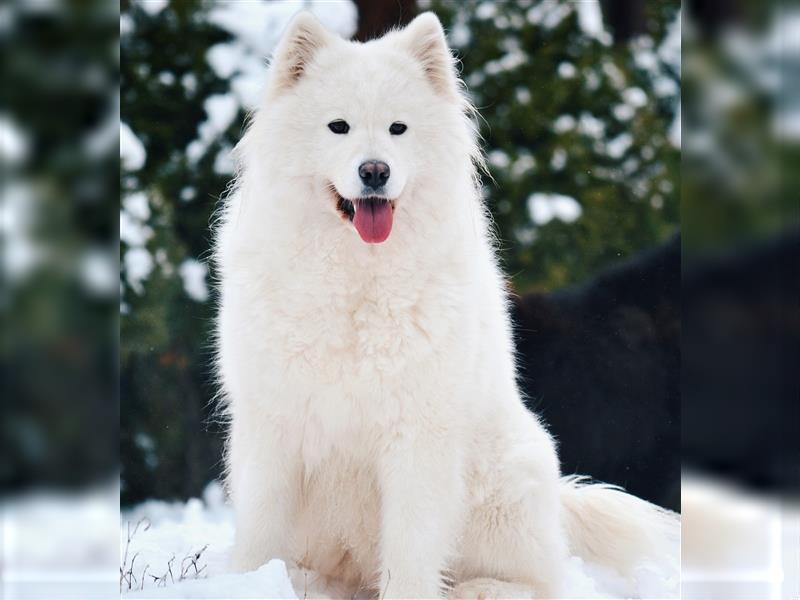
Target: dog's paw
(490,589)
(310,585)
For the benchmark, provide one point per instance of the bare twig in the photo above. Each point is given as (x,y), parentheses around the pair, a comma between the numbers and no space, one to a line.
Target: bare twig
(169,570)
(191,561)
(126,574)
(388,581)
(131,577)
(141,587)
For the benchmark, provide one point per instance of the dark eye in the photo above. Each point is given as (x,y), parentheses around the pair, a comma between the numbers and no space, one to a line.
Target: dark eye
(339,126)
(397,128)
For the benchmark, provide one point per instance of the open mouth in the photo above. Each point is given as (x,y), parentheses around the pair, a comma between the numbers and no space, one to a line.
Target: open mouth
(371,216)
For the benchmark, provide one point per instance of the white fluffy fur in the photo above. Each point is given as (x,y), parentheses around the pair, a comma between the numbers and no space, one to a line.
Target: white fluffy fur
(377,433)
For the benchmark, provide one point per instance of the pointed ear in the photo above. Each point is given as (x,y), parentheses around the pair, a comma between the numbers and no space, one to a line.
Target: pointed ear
(303,38)
(424,39)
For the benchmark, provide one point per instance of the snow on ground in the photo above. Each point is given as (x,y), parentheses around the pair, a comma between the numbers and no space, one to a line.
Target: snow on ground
(171,535)
(57,544)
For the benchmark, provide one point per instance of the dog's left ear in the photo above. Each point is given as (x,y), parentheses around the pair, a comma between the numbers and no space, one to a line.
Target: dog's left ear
(424,39)
(303,38)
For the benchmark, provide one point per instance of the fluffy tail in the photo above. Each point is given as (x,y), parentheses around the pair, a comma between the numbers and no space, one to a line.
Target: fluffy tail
(607,526)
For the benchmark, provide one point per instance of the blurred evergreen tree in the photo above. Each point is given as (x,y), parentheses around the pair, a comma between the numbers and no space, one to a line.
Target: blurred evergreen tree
(567,113)
(58,124)
(170,446)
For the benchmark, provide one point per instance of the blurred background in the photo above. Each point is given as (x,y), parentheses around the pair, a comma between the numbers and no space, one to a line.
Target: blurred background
(107,378)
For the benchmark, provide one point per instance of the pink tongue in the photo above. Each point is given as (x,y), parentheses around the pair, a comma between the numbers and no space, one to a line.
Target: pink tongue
(373,221)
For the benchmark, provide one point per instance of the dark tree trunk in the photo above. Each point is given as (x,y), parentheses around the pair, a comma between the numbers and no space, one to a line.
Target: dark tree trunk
(376,17)
(713,15)
(625,18)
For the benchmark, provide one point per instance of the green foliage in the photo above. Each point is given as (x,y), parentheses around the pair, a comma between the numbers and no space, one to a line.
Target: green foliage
(630,199)
(169,444)
(57,184)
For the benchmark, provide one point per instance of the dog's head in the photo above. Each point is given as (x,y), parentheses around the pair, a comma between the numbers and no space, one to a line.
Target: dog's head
(365,124)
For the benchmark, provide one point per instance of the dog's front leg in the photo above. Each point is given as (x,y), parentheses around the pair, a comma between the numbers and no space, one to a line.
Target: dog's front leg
(263,483)
(422,506)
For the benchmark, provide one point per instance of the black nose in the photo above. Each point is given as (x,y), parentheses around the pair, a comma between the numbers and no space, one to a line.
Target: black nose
(374,173)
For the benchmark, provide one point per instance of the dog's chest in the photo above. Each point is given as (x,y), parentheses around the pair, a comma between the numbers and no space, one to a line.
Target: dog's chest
(352,333)
(356,358)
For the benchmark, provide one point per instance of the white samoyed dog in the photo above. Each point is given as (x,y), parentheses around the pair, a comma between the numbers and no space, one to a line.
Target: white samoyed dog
(377,435)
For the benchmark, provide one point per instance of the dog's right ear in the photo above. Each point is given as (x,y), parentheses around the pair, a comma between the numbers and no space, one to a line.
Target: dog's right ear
(303,38)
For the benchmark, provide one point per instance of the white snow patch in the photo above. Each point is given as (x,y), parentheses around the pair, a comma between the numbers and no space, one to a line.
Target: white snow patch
(138,266)
(559,159)
(675,129)
(19,209)
(137,206)
(221,110)
(224,58)
(188,193)
(152,7)
(182,529)
(223,163)
(783,48)
(643,54)
(525,162)
(166,78)
(132,231)
(99,270)
(663,66)
(543,208)
(486,10)
(623,112)
(523,95)
(189,83)
(548,14)
(194,273)
(591,126)
(591,79)
(617,147)
(526,235)
(61,544)
(101,141)
(476,79)
(566,70)
(635,96)
(131,149)
(125,25)
(564,123)
(459,34)
(670,48)
(614,74)
(499,159)
(513,58)
(14,144)
(269,581)
(590,19)
(665,86)
(162,260)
